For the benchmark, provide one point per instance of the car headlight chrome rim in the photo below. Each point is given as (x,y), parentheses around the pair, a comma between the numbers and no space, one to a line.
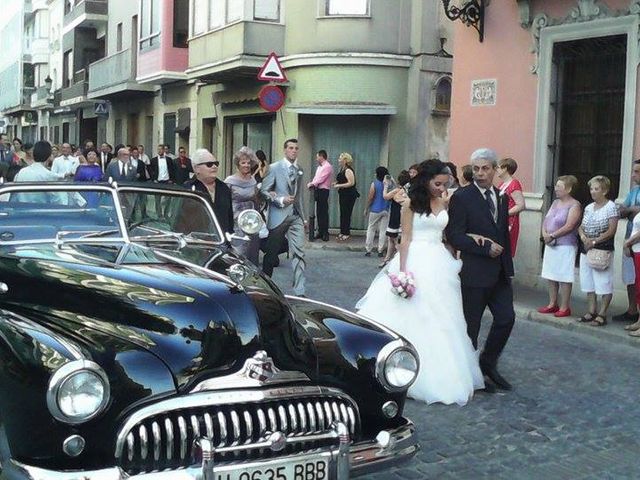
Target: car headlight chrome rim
(250,221)
(78,391)
(397,366)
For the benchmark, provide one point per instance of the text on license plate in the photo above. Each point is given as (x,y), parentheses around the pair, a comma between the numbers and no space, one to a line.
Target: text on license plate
(317,469)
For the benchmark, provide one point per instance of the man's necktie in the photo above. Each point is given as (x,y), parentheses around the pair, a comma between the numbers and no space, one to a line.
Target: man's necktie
(492,206)
(121,169)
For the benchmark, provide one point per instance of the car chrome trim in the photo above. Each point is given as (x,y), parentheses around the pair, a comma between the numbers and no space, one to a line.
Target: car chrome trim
(64,373)
(24,323)
(257,371)
(348,312)
(364,458)
(228,397)
(384,354)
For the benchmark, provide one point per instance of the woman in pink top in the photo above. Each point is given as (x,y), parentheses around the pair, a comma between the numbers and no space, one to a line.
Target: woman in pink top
(559,233)
(512,188)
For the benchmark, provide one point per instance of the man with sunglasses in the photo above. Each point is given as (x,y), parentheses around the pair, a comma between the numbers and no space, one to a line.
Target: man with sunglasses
(205,167)
(282,188)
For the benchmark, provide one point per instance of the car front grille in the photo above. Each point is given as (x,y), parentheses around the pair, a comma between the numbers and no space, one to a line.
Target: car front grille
(163,438)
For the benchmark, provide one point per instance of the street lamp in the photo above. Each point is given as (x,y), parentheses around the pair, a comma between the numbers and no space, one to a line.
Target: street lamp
(47,85)
(471,13)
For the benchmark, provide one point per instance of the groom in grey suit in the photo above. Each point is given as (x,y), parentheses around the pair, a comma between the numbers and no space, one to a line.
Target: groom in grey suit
(282,187)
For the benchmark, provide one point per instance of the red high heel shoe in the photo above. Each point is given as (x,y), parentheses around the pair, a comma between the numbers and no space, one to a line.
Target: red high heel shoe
(562,313)
(548,309)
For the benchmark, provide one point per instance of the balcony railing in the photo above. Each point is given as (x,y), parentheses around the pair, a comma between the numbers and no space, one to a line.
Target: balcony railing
(112,70)
(95,8)
(77,92)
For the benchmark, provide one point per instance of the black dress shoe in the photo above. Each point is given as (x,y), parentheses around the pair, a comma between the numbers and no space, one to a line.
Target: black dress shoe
(317,236)
(495,377)
(489,387)
(325,237)
(625,317)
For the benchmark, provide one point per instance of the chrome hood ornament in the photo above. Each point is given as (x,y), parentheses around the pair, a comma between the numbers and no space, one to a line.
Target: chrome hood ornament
(257,371)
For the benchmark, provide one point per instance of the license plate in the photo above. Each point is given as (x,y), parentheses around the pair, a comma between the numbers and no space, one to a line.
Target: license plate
(299,469)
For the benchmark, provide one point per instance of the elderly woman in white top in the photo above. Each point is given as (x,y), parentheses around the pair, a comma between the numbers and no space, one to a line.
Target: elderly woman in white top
(243,187)
(597,232)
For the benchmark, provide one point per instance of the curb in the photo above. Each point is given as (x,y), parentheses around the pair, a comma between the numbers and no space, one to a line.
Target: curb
(571,324)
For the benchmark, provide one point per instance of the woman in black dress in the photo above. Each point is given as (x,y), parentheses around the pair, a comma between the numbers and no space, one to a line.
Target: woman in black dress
(391,189)
(346,185)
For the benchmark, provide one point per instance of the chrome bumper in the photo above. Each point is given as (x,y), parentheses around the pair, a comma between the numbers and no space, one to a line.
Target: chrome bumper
(390,447)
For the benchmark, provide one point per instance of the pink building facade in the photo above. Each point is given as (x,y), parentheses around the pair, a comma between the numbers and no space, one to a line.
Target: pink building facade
(554,86)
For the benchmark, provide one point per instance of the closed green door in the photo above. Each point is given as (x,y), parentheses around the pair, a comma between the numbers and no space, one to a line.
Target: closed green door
(360,136)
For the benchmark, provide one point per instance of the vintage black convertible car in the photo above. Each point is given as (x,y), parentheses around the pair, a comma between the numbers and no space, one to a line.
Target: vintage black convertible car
(135,343)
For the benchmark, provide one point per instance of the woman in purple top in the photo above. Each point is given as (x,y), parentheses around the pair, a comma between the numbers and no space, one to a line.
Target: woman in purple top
(90,172)
(561,245)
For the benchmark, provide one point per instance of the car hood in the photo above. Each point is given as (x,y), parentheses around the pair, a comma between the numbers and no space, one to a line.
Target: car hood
(198,325)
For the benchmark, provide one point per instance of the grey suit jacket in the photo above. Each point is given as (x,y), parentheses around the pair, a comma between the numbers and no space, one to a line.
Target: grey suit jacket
(277,185)
(113,171)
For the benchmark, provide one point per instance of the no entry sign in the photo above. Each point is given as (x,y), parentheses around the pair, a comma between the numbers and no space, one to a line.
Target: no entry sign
(271,98)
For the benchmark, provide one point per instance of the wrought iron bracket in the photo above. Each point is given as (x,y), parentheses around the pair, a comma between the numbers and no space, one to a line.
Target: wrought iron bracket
(471,14)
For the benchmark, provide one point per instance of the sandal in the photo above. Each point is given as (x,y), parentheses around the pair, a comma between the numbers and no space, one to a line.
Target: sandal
(585,319)
(633,327)
(635,333)
(383,263)
(599,321)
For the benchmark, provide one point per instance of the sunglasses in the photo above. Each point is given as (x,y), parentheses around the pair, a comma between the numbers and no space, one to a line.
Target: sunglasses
(211,164)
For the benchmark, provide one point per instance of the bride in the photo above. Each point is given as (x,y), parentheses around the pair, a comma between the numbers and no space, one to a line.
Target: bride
(432,319)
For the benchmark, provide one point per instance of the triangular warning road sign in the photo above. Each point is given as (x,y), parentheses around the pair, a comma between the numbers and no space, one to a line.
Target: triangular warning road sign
(272,71)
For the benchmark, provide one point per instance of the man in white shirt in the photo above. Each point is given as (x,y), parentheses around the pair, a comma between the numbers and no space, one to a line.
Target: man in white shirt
(64,167)
(162,168)
(37,172)
(145,158)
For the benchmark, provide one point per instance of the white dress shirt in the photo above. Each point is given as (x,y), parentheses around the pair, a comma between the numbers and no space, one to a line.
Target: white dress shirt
(64,165)
(37,172)
(163,170)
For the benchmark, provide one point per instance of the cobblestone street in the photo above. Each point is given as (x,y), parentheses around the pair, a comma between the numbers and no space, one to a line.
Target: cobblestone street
(572,415)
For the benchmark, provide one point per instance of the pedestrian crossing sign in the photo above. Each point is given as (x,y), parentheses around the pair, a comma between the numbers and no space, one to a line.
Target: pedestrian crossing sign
(101,109)
(272,71)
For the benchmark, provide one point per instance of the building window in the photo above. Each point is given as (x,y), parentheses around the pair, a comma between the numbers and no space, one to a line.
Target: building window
(180,23)
(212,14)
(149,23)
(119,37)
(442,97)
(266,10)
(346,7)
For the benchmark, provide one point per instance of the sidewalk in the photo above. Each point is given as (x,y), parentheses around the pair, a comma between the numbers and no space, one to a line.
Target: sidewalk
(527,300)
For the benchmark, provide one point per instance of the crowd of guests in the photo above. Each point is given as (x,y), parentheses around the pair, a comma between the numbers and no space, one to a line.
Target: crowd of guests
(568,230)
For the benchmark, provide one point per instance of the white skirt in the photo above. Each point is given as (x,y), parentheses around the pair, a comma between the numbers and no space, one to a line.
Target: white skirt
(559,262)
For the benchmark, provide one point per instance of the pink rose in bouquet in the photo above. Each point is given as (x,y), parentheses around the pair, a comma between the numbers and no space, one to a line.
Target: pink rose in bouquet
(403,284)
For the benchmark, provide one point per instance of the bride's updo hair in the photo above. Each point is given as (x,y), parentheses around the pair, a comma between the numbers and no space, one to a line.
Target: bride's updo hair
(419,190)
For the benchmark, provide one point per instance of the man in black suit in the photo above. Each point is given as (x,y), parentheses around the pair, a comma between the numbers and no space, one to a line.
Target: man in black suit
(105,156)
(162,168)
(478,227)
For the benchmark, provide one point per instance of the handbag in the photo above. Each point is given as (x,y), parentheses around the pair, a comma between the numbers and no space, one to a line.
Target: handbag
(599,259)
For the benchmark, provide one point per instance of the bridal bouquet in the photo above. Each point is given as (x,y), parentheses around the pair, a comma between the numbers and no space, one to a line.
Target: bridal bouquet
(403,284)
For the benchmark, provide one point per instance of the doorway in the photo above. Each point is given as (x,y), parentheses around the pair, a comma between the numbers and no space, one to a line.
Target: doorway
(589,111)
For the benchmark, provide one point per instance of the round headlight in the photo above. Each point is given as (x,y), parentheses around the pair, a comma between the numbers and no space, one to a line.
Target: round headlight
(78,391)
(401,368)
(397,366)
(250,221)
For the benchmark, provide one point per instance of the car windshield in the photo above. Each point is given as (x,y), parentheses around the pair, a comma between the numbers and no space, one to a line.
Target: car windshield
(48,213)
(157,214)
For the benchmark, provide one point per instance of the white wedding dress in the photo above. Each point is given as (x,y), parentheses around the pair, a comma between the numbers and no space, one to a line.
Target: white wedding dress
(432,320)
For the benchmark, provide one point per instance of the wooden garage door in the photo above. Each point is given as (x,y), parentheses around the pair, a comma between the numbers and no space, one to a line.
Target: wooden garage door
(361,136)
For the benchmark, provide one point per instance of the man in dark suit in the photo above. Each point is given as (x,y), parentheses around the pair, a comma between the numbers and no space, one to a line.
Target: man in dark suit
(183,167)
(105,156)
(162,168)
(478,227)
(121,169)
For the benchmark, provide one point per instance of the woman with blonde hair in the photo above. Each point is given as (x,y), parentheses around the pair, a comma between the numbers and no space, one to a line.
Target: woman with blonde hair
(512,188)
(597,233)
(243,188)
(348,194)
(559,233)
